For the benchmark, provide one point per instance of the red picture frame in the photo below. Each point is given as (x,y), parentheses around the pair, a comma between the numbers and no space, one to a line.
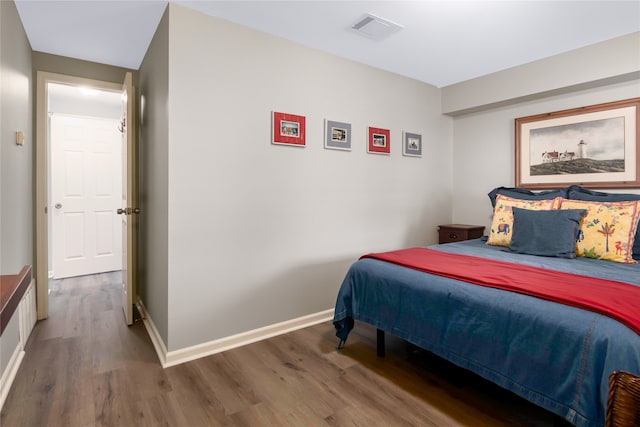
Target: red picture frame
(379,141)
(288,129)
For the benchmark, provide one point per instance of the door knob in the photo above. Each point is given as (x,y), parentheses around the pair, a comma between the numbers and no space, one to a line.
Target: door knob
(58,205)
(128,211)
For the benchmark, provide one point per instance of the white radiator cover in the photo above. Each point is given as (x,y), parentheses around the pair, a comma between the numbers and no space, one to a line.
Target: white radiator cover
(26,321)
(27,313)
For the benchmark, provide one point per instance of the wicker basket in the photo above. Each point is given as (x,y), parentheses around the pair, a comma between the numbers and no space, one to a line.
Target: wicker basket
(623,403)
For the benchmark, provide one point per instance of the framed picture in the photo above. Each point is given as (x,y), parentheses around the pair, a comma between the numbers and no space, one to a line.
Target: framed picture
(288,129)
(411,144)
(596,146)
(337,135)
(379,141)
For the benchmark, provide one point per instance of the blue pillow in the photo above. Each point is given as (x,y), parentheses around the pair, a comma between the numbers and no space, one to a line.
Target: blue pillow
(575,192)
(546,233)
(522,194)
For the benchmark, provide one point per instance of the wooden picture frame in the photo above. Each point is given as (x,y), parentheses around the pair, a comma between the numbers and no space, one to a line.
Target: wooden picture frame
(288,129)
(596,147)
(379,141)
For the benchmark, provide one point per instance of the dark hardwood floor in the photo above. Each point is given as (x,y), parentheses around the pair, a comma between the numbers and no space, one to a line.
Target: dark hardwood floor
(84,367)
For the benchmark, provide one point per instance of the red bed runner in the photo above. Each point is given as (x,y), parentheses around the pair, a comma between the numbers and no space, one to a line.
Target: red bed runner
(618,300)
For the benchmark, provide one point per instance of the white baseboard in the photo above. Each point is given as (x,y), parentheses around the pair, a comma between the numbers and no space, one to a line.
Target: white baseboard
(156,339)
(10,372)
(176,357)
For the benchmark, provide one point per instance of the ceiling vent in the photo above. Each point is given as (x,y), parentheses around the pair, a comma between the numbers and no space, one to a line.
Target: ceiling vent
(374,27)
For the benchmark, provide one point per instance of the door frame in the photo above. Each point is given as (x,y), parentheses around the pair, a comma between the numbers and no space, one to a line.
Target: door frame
(42,175)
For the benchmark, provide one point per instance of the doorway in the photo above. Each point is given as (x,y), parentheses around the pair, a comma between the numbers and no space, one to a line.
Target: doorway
(45,206)
(85,180)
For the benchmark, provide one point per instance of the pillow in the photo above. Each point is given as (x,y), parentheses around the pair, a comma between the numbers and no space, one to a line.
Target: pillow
(502,224)
(522,194)
(546,233)
(575,192)
(608,230)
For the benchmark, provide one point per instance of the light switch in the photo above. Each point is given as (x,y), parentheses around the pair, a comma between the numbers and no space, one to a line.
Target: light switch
(19,138)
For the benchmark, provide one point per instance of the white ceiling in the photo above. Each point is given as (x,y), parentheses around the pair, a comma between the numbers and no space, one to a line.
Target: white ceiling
(443,42)
(76,100)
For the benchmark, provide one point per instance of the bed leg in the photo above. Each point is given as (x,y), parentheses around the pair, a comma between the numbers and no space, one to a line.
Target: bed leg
(380,350)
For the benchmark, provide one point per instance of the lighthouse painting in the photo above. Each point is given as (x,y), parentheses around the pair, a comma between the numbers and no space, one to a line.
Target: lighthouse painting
(589,147)
(585,145)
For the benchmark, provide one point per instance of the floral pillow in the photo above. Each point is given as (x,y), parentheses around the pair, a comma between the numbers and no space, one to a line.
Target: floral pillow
(502,224)
(608,229)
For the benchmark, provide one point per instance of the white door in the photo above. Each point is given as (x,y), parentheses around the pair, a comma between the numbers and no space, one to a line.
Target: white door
(86,190)
(129,209)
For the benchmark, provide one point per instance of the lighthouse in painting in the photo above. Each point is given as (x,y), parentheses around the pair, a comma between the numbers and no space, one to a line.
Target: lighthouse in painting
(582,149)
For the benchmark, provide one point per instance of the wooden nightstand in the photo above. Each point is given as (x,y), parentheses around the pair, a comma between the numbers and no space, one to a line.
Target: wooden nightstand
(449,233)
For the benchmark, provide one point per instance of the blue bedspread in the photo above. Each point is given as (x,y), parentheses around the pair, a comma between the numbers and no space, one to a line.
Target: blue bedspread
(556,356)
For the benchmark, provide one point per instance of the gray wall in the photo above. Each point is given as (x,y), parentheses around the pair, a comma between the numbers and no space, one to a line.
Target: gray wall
(484,140)
(257,233)
(16,173)
(17,161)
(78,68)
(154,178)
(592,66)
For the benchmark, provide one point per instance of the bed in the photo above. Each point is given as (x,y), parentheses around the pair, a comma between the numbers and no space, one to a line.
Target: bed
(556,356)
